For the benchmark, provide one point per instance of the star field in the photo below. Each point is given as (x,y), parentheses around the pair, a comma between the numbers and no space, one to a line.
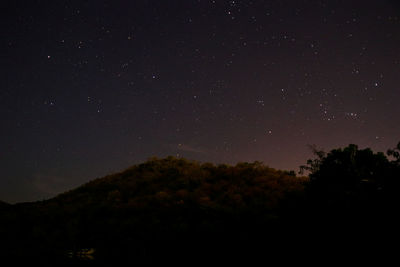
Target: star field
(92,87)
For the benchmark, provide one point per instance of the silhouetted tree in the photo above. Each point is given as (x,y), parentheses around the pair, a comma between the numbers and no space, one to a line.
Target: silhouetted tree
(395,153)
(354,185)
(348,169)
(313,165)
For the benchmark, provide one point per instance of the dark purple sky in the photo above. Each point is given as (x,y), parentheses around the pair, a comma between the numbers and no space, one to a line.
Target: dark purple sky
(92,87)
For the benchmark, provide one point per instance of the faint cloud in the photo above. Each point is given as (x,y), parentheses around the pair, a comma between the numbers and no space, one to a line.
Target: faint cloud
(189,148)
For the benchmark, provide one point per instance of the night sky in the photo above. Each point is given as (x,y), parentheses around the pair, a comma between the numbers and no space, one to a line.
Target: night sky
(89,88)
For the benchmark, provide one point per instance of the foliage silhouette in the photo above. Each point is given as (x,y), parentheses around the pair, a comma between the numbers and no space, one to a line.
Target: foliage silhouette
(170,209)
(350,169)
(395,153)
(353,186)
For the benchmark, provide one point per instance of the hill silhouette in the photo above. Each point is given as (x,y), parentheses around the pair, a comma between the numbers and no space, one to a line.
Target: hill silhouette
(173,210)
(157,208)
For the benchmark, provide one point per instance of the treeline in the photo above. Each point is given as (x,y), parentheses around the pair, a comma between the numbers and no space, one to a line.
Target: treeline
(173,209)
(355,180)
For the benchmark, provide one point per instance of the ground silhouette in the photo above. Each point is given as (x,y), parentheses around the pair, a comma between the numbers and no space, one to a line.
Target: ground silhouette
(173,210)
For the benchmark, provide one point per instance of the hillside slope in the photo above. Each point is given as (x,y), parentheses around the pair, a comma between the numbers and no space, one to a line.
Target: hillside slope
(169,200)
(172,182)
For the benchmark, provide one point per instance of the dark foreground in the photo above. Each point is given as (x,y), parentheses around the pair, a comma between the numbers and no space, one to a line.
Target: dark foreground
(178,212)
